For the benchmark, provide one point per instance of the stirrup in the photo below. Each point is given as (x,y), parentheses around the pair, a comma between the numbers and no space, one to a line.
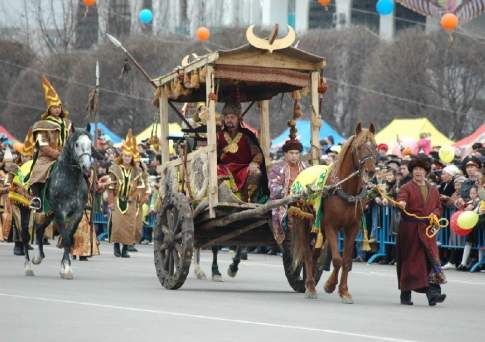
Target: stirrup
(36,203)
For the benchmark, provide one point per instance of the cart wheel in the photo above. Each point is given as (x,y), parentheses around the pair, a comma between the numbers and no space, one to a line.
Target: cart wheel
(296,277)
(174,241)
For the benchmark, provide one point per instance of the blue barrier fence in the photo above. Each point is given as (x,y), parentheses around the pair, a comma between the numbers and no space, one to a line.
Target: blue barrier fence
(383,230)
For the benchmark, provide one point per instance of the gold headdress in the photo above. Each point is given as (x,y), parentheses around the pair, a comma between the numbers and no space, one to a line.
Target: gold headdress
(28,148)
(51,97)
(129,146)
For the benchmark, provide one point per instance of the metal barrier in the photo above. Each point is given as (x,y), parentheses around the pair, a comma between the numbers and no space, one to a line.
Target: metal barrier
(101,219)
(381,231)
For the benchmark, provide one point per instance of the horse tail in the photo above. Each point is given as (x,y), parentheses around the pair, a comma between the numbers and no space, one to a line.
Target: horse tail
(300,236)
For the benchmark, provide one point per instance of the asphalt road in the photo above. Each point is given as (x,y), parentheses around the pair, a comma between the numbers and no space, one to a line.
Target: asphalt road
(113,299)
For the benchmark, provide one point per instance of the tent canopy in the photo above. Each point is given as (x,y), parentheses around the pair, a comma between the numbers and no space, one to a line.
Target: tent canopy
(304,135)
(9,136)
(106,132)
(404,129)
(477,136)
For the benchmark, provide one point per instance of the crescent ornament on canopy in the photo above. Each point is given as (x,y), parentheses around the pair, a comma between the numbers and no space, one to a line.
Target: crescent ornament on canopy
(264,44)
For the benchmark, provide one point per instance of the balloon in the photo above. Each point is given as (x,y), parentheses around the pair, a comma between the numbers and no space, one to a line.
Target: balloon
(385,7)
(447,154)
(146,16)
(467,220)
(455,228)
(449,22)
(324,2)
(89,3)
(202,33)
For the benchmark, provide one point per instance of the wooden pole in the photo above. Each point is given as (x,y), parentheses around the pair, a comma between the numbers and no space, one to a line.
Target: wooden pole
(265,132)
(164,126)
(316,121)
(211,142)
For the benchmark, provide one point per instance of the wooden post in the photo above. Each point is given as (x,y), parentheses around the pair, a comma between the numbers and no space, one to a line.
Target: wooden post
(211,142)
(264,137)
(164,126)
(316,121)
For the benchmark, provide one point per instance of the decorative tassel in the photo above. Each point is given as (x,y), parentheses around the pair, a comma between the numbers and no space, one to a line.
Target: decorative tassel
(365,242)
(320,240)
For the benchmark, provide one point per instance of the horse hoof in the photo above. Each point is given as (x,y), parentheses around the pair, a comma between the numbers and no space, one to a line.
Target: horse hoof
(67,275)
(311,294)
(231,272)
(29,272)
(36,260)
(217,278)
(329,289)
(201,275)
(347,299)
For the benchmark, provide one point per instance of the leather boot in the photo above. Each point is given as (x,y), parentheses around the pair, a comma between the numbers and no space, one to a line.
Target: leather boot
(116,248)
(406,298)
(434,295)
(18,248)
(124,252)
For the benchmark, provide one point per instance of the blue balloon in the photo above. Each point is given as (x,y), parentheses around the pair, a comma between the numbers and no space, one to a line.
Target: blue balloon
(146,16)
(385,7)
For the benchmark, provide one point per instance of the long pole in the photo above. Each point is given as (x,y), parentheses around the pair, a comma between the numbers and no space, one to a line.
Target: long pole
(93,109)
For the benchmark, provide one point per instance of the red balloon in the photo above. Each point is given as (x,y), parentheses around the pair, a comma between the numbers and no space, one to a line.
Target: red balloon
(89,3)
(455,228)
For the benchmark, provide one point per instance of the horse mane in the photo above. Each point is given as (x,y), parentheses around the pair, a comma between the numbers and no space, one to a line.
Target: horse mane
(359,139)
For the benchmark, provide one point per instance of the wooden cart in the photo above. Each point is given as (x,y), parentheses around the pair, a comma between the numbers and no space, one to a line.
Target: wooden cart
(215,218)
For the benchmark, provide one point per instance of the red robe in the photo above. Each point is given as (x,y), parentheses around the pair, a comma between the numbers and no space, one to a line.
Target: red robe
(417,255)
(235,164)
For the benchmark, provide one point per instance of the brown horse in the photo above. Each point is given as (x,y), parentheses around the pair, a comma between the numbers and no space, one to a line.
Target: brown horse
(342,209)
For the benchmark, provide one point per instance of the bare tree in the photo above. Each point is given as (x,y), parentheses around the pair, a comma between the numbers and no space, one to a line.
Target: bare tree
(56,20)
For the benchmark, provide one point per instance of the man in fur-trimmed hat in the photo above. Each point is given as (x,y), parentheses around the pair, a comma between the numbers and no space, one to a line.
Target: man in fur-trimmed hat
(282,176)
(240,158)
(418,263)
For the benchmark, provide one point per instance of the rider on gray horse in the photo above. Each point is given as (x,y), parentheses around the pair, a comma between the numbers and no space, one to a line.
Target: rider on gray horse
(50,136)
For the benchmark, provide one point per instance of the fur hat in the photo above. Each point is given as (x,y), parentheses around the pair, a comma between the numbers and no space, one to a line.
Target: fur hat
(420,161)
(292,145)
(232,108)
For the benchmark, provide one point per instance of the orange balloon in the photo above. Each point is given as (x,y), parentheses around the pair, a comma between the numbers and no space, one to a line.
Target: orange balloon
(202,33)
(449,22)
(324,2)
(89,3)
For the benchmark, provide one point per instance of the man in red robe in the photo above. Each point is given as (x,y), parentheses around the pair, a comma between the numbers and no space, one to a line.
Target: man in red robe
(240,158)
(418,263)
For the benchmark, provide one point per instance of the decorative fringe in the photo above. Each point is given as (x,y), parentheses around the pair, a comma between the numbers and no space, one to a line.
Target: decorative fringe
(365,242)
(320,240)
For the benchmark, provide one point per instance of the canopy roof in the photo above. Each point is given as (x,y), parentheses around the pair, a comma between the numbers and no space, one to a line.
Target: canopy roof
(402,129)
(174,130)
(246,73)
(477,136)
(304,135)
(110,135)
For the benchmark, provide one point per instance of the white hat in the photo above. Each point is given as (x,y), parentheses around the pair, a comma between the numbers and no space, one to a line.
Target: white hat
(452,170)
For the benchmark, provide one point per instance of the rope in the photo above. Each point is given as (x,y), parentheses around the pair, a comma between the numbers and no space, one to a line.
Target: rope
(435,223)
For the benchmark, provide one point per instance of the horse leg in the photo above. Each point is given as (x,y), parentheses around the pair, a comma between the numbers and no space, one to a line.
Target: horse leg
(233,268)
(40,224)
(216,275)
(309,264)
(67,233)
(332,281)
(24,223)
(199,273)
(350,234)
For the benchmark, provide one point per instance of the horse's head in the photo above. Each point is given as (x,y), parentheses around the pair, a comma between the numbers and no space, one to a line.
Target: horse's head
(364,151)
(79,148)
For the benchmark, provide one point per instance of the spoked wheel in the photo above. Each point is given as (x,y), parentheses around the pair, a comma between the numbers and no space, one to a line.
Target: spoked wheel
(296,276)
(174,241)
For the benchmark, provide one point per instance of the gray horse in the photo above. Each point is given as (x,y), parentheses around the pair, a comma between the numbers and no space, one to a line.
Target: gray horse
(67,195)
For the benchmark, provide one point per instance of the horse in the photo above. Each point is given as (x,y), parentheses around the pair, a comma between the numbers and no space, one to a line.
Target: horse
(342,208)
(67,195)
(216,275)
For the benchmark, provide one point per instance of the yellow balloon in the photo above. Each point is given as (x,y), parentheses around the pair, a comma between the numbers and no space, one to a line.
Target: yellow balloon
(447,154)
(467,220)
